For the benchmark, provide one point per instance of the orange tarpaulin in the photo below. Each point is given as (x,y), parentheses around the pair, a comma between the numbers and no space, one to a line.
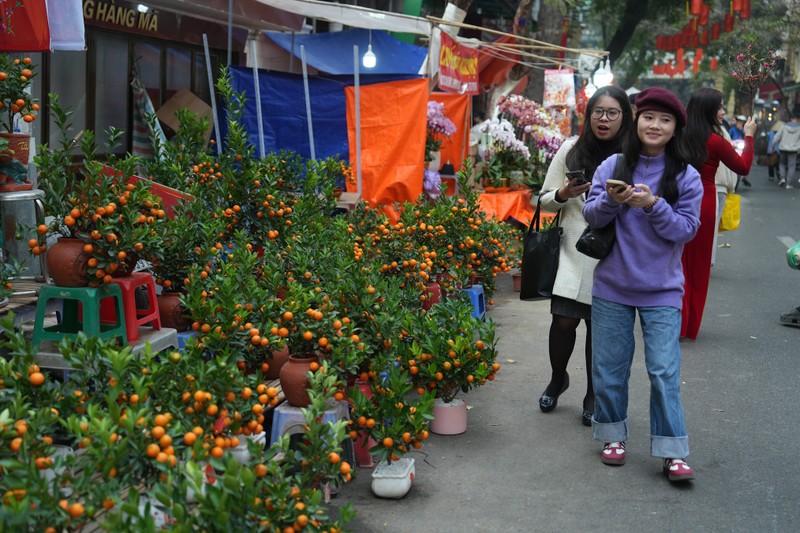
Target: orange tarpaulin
(456,108)
(393,119)
(517,204)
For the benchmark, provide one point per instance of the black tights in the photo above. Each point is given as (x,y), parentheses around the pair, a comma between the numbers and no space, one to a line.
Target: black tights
(562,343)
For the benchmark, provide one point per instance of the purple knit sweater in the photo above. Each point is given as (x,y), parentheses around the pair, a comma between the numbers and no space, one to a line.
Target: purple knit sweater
(644,268)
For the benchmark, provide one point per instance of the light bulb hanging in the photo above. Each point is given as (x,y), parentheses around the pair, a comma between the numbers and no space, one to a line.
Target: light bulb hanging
(369,60)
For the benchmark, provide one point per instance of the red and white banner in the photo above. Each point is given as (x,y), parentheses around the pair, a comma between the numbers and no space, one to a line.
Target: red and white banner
(41,26)
(458,67)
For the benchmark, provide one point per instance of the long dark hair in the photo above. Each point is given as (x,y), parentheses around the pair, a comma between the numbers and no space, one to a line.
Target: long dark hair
(702,112)
(675,162)
(588,151)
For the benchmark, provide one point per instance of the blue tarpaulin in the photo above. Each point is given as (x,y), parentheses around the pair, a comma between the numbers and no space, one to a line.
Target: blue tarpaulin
(333,52)
(284,111)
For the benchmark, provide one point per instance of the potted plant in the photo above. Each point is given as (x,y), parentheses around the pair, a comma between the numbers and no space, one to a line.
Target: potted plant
(16,104)
(505,153)
(105,222)
(447,350)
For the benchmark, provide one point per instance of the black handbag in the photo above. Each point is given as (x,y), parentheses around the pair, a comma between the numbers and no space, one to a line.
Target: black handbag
(540,258)
(598,242)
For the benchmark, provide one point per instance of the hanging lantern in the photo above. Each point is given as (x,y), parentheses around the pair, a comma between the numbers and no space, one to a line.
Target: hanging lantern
(745,14)
(712,64)
(696,7)
(698,57)
(705,13)
(679,56)
(715,31)
(728,23)
(736,5)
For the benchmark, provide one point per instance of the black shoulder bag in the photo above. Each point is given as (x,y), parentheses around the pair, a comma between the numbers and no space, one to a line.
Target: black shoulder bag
(598,242)
(540,257)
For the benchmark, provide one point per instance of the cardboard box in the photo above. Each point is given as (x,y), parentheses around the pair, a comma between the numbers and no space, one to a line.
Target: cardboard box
(184,99)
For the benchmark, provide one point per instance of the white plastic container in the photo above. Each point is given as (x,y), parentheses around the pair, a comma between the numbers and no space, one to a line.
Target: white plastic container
(393,480)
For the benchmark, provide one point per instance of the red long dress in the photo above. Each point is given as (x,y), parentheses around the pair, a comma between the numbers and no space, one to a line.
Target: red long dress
(696,257)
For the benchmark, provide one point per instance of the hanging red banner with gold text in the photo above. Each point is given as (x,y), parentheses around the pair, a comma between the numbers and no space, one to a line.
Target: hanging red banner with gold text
(458,67)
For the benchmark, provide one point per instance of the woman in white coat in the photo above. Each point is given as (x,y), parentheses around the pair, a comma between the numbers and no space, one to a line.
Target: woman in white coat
(608,125)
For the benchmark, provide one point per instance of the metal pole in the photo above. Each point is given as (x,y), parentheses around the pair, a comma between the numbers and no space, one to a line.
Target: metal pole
(258,102)
(308,102)
(230,30)
(358,119)
(213,94)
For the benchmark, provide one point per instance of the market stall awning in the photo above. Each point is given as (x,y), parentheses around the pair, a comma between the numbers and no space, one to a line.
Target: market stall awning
(333,52)
(355,16)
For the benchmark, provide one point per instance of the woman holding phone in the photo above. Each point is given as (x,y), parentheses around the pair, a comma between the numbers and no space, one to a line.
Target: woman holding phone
(656,211)
(570,174)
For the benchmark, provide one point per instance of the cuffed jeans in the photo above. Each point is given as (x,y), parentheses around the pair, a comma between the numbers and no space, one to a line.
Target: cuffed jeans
(612,357)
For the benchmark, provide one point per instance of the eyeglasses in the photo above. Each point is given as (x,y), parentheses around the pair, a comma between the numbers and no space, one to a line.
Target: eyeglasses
(612,114)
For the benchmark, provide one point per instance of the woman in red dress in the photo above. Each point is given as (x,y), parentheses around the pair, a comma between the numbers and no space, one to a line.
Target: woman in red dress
(707,148)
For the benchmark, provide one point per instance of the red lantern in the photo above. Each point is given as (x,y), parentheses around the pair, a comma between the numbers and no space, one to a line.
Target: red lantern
(698,57)
(704,37)
(679,56)
(713,63)
(736,5)
(704,14)
(728,23)
(715,31)
(745,14)
(696,7)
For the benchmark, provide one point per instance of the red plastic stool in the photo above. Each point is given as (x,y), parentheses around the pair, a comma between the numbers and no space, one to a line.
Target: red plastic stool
(134,317)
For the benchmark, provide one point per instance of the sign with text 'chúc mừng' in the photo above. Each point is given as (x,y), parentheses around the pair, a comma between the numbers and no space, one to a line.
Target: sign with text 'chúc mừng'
(458,67)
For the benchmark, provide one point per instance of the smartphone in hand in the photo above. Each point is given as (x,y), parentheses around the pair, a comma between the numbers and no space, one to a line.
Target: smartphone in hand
(576,178)
(616,183)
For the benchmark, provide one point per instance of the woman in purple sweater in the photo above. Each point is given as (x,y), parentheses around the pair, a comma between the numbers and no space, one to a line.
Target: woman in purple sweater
(656,212)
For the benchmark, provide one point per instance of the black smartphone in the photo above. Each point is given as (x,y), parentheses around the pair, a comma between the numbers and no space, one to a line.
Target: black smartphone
(577,176)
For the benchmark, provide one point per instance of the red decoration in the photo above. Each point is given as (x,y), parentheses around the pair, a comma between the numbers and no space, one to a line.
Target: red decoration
(696,7)
(728,23)
(703,21)
(698,57)
(704,37)
(715,31)
(713,63)
(736,5)
(745,14)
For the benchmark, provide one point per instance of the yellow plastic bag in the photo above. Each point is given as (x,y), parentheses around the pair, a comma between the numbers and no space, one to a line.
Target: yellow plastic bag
(731,213)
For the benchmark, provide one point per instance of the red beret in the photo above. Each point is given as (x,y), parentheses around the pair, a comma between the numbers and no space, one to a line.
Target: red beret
(660,99)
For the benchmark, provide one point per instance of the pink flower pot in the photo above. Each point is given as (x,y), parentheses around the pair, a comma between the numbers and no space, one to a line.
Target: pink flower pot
(449,418)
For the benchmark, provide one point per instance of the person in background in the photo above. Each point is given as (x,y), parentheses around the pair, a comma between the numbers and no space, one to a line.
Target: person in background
(706,148)
(655,213)
(788,140)
(773,156)
(725,181)
(737,133)
(609,125)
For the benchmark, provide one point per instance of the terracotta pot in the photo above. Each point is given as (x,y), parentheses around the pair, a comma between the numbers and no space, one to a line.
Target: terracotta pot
(294,381)
(278,359)
(67,263)
(449,418)
(172,313)
(126,267)
(433,293)
(362,445)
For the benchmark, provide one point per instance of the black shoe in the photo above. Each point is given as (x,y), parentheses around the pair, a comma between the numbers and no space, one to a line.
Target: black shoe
(548,403)
(586,418)
(746,182)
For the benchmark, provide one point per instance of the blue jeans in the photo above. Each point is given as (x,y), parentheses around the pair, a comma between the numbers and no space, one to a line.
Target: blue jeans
(612,350)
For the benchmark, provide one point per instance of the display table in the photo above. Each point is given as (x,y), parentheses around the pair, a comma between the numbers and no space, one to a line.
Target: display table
(503,203)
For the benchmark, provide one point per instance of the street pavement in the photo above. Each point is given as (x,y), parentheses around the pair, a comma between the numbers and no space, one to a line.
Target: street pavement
(518,469)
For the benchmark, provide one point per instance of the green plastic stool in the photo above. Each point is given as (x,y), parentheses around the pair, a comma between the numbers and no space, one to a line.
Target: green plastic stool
(79,302)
